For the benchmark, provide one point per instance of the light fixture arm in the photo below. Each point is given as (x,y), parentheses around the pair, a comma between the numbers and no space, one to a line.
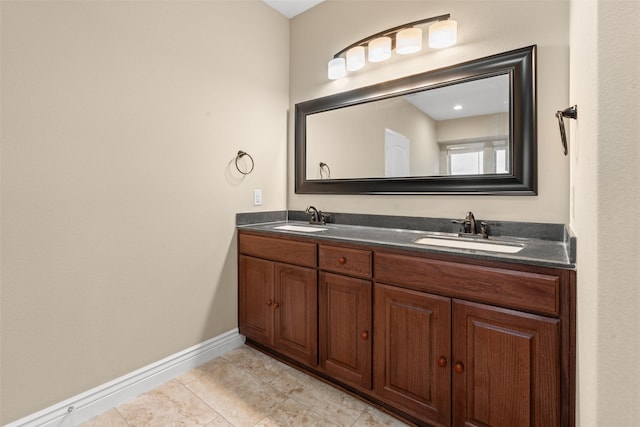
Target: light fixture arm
(391,31)
(404,39)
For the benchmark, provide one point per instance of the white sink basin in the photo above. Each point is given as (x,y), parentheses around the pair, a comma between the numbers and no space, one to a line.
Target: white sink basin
(303,228)
(471,244)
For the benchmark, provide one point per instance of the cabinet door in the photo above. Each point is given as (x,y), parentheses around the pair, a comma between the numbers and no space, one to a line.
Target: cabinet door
(506,367)
(345,328)
(412,346)
(255,295)
(296,322)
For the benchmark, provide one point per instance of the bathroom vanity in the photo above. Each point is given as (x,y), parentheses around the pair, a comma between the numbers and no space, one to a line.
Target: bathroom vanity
(437,336)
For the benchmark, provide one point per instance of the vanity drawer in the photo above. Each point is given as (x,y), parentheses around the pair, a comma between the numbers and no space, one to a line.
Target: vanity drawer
(353,262)
(521,290)
(289,251)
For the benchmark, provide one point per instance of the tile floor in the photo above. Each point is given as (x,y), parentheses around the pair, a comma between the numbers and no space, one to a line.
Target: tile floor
(244,388)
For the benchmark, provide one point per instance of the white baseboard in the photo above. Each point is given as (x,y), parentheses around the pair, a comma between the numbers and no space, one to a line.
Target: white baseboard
(98,400)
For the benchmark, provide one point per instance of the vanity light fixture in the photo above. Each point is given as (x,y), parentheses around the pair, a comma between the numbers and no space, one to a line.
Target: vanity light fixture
(443,34)
(409,41)
(355,58)
(380,49)
(405,39)
(337,68)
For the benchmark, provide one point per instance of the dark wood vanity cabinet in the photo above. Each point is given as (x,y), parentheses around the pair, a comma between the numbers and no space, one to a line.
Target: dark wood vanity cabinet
(256,296)
(495,367)
(413,351)
(439,340)
(345,328)
(509,350)
(277,301)
(506,367)
(345,304)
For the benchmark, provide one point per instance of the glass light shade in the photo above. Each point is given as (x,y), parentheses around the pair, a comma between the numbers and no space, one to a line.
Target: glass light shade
(355,58)
(443,34)
(337,69)
(409,41)
(380,49)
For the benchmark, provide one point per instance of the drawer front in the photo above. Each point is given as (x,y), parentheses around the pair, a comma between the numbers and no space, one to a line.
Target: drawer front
(520,290)
(353,262)
(289,251)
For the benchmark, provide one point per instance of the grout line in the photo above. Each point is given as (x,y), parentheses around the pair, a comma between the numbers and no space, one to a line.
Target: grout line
(201,400)
(121,416)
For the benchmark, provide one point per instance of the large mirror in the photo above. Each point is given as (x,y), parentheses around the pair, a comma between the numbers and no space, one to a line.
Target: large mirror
(464,129)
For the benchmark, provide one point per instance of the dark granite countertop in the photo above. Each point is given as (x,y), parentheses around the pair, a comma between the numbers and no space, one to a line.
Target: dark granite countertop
(554,248)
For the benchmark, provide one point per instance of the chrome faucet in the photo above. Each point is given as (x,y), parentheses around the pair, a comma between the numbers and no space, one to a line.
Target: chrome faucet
(316,216)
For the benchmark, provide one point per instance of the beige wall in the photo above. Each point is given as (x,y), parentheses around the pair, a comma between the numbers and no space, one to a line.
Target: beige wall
(605,154)
(119,120)
(473,127)
(484,28)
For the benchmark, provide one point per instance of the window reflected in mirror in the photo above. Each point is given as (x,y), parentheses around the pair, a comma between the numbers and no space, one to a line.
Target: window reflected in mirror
(475,157)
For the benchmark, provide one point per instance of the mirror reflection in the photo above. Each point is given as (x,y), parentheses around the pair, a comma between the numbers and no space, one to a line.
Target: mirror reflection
(458,129)
(403,136)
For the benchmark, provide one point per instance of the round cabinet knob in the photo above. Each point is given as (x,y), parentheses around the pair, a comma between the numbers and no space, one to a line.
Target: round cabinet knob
(364,335)
(458,367)
(342,260)
(276,305)
(442,362)
(269,302)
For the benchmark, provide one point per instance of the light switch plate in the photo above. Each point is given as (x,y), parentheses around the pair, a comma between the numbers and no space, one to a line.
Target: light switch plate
(257,197)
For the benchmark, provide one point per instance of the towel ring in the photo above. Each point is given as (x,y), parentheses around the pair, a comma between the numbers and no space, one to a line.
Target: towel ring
(324,166)
(240,155)
(571,113)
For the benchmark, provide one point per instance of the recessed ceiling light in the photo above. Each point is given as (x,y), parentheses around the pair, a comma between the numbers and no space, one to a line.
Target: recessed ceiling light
(457,107)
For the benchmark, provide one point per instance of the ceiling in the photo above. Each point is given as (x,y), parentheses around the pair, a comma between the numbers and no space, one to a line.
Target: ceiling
(291,8)
(477,97)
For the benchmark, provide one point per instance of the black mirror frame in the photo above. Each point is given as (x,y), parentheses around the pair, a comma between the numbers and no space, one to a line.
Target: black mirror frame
(520,64)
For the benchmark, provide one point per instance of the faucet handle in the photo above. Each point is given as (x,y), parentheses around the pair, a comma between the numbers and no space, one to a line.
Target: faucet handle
(483,230)
(325,217)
